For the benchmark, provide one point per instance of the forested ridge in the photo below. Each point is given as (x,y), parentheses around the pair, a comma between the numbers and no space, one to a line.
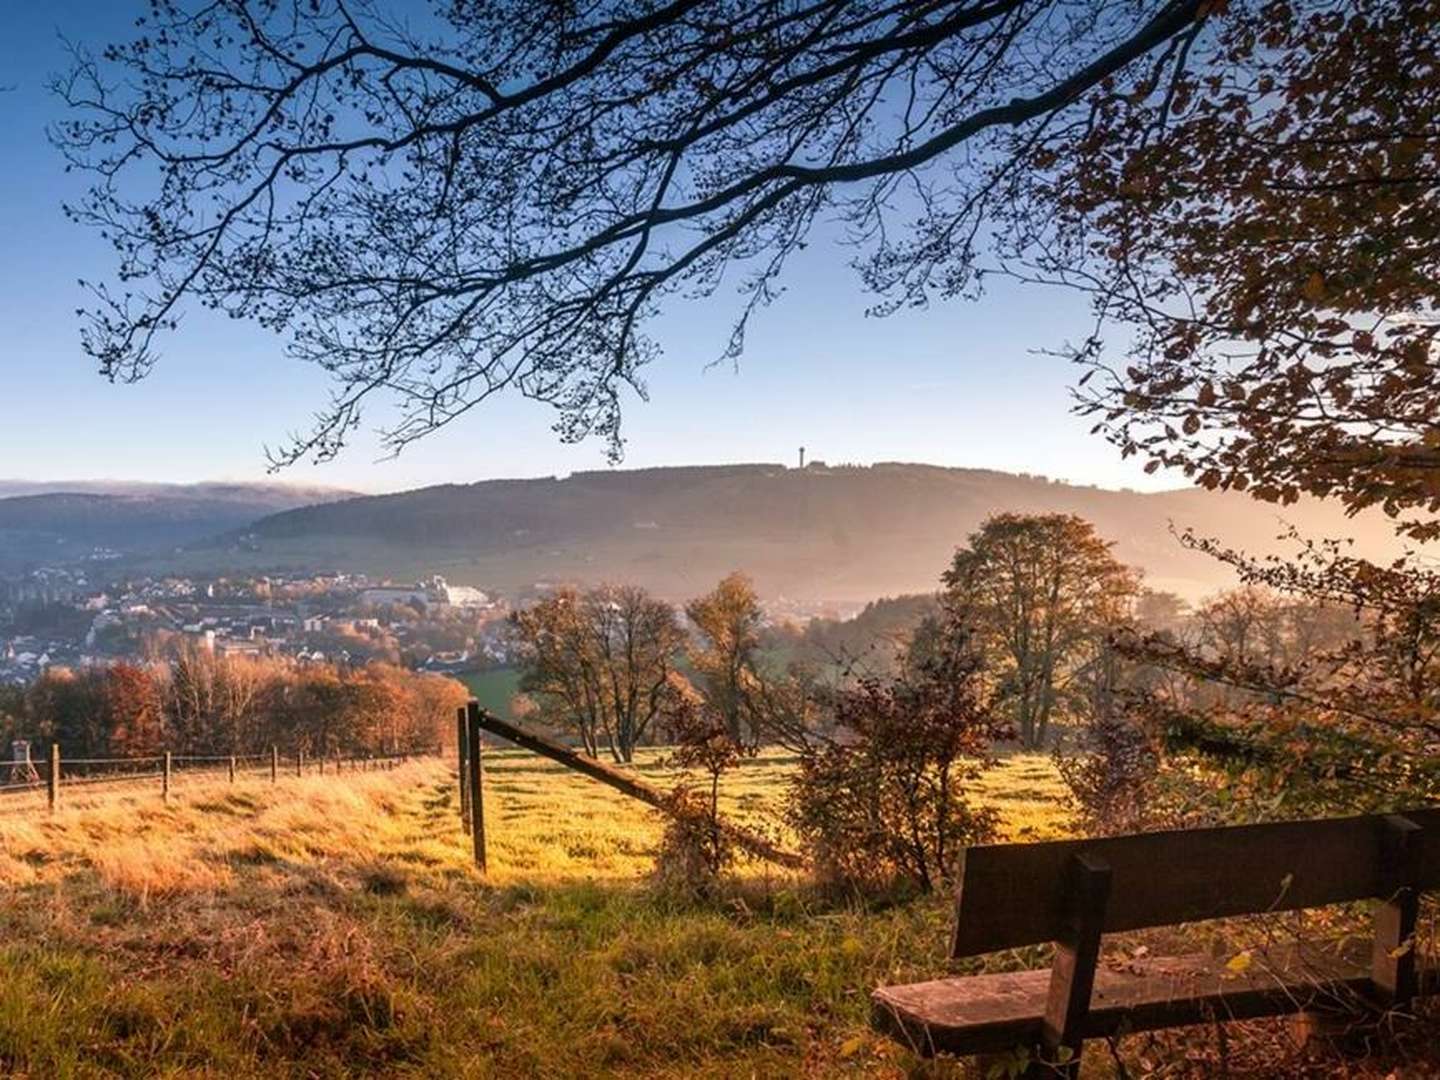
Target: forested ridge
(827,532)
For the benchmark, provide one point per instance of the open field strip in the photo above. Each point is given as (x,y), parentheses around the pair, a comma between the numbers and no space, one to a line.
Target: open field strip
(332,926)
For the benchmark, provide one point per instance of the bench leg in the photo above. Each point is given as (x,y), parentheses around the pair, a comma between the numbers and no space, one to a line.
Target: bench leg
(1072,976)
(1392,966)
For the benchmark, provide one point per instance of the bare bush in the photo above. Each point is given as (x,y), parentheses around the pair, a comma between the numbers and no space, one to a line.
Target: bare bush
(883,805)
(696,848)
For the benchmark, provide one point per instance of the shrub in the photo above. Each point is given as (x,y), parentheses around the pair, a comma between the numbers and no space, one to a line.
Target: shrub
(1112,779)
(883,804)
(696,848)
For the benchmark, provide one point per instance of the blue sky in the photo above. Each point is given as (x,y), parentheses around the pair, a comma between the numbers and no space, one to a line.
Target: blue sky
(958,384)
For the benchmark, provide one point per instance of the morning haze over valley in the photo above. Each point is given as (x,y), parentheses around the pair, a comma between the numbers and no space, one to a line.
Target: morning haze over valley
(674,531)
(720,538)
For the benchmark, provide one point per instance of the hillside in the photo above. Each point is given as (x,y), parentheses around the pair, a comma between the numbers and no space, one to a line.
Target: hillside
(840,534)
(62,522)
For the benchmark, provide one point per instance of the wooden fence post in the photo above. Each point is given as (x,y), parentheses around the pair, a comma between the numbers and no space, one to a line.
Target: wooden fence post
(165,779)
(462,767)
(52,782)
(274,764)
(232,768)
(477,783)
(299,762)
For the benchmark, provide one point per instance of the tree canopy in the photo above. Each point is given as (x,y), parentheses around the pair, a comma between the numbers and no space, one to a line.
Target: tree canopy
(602,663)
(1267,222)
(491,197)
(728,620)
(1035,595)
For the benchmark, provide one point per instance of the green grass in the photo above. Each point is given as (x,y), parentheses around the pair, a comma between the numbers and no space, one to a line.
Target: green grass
(494,689)
(337,927)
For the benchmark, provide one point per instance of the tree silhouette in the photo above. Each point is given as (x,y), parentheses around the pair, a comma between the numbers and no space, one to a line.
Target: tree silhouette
(497,196)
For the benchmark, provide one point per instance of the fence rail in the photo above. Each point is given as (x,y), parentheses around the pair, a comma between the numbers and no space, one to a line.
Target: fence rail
(55,775)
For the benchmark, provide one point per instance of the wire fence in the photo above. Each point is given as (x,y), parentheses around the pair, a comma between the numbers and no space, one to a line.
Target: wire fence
(44,784)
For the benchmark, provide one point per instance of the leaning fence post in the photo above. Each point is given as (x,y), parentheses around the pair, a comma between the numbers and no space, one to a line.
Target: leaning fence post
(165,779)
(462,760)
(52,782)
(477,785)
(274,764)
(232,768)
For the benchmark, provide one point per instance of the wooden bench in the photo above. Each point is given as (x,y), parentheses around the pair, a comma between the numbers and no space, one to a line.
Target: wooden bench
(1071,892)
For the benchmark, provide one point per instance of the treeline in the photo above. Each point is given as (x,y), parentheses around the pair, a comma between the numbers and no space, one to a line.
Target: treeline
(1313,687)
(198,703)
(1025,608)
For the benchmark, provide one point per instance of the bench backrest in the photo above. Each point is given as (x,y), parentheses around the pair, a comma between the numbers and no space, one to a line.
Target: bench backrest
(1017,894)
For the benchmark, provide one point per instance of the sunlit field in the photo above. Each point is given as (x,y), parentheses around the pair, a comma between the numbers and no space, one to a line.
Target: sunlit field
(328,927)
(546,823)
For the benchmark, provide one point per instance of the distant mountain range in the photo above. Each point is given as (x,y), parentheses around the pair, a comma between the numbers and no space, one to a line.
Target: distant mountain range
(276,496)
(844,534)
(822,533)
(62,522)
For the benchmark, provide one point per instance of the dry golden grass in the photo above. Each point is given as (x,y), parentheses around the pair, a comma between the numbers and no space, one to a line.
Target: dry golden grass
(336,927)
(143,848)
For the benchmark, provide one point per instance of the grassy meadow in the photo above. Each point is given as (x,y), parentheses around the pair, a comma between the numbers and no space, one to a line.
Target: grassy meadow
(336,927)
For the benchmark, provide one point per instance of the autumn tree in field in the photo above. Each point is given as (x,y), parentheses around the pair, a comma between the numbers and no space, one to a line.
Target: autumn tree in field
(431,701)
(134,711)
(1156,609)
(601,663)
(1036,594)
(320,712)
(1257,625)
(560,676)
(728,621)
(192,695)
(638,640)
(115,710)
(68,706)
(214,703)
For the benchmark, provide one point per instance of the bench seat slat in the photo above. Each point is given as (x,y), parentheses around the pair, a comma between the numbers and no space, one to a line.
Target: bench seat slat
(994,1013)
